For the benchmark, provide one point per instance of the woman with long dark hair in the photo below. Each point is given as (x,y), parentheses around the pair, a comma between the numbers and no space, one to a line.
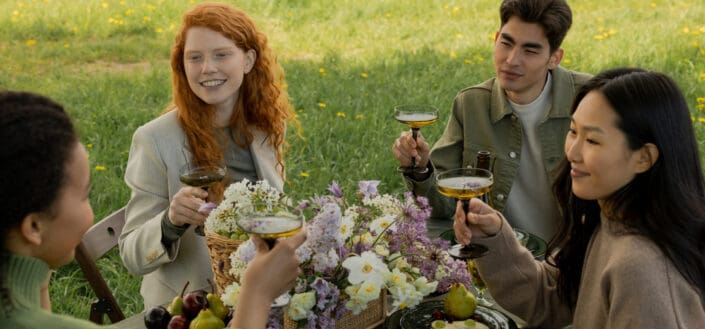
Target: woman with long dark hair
(631,250)
(230,107)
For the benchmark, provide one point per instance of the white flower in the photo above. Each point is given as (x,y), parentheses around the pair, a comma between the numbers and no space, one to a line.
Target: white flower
(231,295)
(300,305)
(367,266)
(424,287)
(382,223)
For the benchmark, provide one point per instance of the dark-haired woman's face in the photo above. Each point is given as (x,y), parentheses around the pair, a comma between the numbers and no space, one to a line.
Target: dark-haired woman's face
(72,213)
(601,163)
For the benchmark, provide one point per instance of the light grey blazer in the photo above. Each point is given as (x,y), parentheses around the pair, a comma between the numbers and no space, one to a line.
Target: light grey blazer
(159,149)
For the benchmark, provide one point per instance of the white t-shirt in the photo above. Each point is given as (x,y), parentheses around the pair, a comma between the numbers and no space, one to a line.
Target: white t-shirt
(530,204)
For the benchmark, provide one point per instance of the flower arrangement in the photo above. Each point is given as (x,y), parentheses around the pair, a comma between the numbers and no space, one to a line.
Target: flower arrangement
(354,252)
(243,199)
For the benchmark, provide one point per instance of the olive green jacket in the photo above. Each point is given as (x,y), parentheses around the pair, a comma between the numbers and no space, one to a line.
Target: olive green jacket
(482,119)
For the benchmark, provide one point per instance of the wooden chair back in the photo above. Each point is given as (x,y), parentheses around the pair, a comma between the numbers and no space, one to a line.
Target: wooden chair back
(98,240)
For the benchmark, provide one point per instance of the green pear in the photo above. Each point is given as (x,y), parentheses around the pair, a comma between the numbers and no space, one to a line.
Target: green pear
(206,320)
(215,304)
(459,303)
(175,307)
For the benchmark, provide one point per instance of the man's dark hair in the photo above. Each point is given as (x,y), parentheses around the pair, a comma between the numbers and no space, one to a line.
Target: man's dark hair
(553,15)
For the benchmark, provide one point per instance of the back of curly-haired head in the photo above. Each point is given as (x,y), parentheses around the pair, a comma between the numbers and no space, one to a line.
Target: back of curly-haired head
(262,103)
(37,140)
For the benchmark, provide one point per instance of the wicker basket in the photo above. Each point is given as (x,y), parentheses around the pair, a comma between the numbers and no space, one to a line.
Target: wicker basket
(369,318)
(220,248)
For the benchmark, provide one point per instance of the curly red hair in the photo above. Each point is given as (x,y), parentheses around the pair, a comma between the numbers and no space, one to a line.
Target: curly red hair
(263,101)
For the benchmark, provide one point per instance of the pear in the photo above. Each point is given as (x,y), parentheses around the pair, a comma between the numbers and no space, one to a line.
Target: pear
(175,307)
(206,320)
(459,303)
(215,304)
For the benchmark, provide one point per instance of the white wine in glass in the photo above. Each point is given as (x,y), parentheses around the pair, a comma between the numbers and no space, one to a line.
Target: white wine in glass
(271,227)
(203,177)
(464,184)
(415,116)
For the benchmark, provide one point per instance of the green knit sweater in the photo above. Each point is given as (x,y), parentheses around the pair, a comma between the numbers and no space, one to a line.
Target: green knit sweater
(21,278)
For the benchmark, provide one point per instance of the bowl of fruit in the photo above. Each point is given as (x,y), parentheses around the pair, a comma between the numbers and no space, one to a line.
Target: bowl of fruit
(196,309)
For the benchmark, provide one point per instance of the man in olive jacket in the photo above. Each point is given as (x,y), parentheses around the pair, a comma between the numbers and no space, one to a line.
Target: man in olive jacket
(521,116)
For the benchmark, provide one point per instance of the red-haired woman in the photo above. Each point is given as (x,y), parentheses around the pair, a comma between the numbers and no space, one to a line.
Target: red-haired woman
(229,107)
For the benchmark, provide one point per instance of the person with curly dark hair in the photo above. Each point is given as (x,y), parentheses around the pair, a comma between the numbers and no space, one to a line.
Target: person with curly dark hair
(630,252)
(44,188)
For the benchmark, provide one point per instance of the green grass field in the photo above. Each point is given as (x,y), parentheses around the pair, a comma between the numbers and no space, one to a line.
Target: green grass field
(347,65)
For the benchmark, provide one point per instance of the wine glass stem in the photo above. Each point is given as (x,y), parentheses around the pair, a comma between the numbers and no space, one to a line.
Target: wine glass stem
(466,205)
(414,135)
(270,243)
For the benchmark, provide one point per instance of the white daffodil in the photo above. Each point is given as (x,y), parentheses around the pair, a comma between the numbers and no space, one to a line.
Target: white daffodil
(300,305)
(231,294)
(382,223)
(367,266)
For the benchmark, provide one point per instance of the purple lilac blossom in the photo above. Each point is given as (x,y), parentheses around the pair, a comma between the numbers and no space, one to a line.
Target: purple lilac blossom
(335,189)
(368,188)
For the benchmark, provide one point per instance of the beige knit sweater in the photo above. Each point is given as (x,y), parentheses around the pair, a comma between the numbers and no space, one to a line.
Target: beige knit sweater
(626,283)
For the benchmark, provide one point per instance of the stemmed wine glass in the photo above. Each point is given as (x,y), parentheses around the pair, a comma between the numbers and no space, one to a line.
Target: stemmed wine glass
(271,227)
(415,116)
(465,184)
(203,177)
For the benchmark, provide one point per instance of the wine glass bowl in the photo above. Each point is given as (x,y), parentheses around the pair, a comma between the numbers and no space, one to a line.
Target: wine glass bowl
(270,227)
(415,116)
(203,177)
(464,184)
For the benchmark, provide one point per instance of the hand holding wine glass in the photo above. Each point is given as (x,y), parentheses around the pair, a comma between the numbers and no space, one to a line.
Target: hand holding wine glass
(202,177)
(480,220)
(415,116)
(465,184)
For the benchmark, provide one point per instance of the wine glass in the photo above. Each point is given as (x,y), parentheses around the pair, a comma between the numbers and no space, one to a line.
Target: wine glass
(465,184)
(415,116)
(271,227)
(203,177)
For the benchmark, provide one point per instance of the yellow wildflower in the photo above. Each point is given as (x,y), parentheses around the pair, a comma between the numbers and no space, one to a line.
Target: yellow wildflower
(468,61)
(89,146)
(104,5)
(359,116)
(700,99)
(701,107)
(453,54)
(304,174)
(701,120)
(66,45)
(653,5)
(599,37)
(686,30)
(100,168)
(145,19)
(340,114)
(702,76)
(160,30)
(458,36)
(31,42)
(566,61)
(363,75)
(322,105)
(322,71)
